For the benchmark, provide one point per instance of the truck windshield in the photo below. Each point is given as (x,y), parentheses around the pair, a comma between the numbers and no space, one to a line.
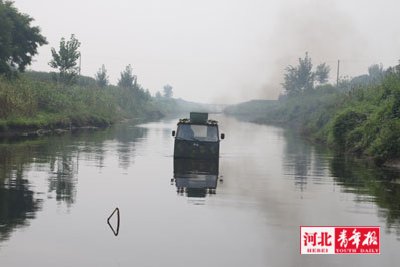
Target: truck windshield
(193,132)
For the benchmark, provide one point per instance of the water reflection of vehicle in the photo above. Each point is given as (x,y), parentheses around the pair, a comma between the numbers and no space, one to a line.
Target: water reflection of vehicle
(196,178)
(197,137)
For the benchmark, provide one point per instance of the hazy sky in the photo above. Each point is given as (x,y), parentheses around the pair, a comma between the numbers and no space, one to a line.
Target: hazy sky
(219,51)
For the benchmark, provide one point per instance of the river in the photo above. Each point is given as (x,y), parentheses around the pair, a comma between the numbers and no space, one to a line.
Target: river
(57,192)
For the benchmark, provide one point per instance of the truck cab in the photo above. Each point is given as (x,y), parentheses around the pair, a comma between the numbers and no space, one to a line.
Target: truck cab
(197,137)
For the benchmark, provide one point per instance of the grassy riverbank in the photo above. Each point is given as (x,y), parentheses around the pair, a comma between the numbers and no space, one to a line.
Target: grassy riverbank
(35,102)
(359,119)
(28,104)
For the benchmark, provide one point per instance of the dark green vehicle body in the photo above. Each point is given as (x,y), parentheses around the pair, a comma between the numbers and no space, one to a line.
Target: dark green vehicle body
(197,138)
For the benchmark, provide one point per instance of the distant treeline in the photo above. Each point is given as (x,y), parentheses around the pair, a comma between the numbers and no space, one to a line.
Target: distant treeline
(359,115)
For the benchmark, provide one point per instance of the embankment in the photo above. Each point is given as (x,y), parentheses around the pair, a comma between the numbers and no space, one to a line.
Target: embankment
(364,120)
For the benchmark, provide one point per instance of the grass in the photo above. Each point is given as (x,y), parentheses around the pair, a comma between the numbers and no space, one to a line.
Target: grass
(34,101)
(27,104)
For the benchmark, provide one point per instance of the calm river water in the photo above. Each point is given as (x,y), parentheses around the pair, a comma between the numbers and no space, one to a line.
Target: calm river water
(57,192)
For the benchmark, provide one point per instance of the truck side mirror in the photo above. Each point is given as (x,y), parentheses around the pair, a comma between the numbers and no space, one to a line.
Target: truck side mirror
(173,133)
(222,136)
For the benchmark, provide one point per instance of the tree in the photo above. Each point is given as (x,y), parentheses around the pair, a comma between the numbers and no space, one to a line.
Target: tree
(322,73)
(19,41)
(102,77)
(65,60)
(127,80)
(301,78)
(305,76)
(290,81)
(147,95)
(158,94)
(375,73)
(168,91)
(395,70)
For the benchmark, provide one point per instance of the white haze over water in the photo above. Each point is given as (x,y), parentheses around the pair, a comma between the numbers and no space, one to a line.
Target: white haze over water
(219,51)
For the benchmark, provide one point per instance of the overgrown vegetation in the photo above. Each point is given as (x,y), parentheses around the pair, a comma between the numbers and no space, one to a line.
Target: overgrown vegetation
(27,104)
(35,101)
(360,116)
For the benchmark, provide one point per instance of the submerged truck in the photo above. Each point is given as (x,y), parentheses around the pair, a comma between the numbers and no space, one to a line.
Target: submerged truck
(197,137)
